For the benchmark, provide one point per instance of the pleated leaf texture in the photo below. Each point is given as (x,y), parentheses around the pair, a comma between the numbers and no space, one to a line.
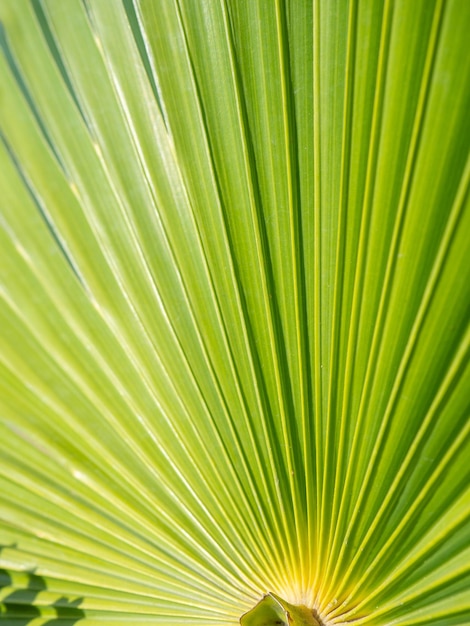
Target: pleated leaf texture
(234,282)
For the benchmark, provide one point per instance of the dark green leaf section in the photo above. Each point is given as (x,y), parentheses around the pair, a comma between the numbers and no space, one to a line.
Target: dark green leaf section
(234,342)
(24,598)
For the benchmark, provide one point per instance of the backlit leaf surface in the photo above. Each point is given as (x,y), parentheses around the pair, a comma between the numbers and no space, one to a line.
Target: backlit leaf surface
(234,310)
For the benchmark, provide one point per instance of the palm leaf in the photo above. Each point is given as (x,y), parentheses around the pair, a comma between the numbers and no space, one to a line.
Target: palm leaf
(234,312)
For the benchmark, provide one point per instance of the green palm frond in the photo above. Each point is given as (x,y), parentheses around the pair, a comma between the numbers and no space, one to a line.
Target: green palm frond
(234,312)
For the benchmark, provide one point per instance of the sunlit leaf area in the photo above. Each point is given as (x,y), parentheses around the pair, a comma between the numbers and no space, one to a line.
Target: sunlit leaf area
(234,312)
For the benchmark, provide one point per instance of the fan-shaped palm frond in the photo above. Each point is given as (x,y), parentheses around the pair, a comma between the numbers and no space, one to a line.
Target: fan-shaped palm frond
(234,312)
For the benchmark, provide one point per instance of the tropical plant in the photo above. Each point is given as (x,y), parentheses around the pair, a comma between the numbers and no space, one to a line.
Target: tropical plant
(234,312)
